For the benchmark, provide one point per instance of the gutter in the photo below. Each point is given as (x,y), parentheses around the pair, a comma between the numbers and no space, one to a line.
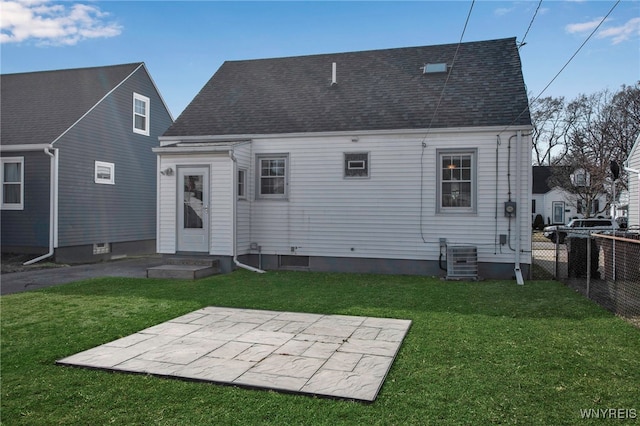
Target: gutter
(419,133)
(234,218)
(53,207)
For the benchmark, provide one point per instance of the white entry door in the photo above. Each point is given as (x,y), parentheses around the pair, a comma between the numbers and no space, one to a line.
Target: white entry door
(558,212)
(193,209)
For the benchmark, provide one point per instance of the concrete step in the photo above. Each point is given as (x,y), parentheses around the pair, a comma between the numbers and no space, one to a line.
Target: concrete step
(195,261)
(184,268)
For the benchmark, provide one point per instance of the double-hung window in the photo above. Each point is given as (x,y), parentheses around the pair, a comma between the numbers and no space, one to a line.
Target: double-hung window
(272,176)
(12,188)
(457,181)
(141,114)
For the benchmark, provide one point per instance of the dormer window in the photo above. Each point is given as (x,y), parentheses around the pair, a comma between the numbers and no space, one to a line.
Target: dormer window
(580,178)
(141,114)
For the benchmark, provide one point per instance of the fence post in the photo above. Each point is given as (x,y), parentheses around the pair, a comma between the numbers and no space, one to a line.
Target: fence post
(588,264)
(555,264)
(613,261)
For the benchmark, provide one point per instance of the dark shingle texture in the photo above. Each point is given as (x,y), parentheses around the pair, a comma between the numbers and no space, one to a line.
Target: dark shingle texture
(375,90)
(38,107)
(541,175)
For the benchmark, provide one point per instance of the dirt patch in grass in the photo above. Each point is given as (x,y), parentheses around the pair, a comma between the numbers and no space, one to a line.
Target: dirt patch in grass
(12,262)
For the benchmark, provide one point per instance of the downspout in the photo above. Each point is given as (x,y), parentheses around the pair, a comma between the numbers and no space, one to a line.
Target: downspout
(53,197)
(234,217)
(520,216)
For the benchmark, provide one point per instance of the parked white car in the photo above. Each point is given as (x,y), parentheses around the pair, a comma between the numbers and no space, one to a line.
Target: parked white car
(579,228)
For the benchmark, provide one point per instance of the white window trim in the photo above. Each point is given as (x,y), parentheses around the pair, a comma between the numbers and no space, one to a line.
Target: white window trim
(259,195)
(138,97)
(112,173)
(473,152)
(242,182)
(12,206)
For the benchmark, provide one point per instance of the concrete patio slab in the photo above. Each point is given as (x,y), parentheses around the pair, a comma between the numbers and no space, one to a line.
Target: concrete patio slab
(333,356)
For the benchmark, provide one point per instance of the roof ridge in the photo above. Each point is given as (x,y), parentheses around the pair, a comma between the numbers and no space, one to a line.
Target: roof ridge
(398,49)
(130,64)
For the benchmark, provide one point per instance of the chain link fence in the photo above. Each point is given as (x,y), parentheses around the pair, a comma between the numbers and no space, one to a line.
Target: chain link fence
(605,267)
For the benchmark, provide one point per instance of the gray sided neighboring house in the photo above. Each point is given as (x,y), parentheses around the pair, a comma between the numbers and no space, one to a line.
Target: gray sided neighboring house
(78,171)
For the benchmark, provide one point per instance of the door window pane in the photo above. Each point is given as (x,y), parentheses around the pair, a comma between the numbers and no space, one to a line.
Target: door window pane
(193,201)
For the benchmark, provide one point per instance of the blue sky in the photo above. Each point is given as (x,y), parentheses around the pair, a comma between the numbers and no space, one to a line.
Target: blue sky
(184,42)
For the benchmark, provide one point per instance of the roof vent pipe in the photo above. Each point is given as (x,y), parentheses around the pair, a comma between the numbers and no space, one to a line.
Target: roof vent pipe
(333,74)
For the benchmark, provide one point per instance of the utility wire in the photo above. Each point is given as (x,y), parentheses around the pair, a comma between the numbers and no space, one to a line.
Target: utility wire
(455,55)
(435,112)
(530,24)
(565,65)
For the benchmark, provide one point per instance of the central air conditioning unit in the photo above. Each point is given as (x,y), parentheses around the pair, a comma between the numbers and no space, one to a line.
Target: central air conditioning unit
(462,262)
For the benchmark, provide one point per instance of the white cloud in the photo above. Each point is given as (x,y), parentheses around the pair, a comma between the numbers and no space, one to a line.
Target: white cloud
(501,11)
(623,32)
(582,27)
(617,34)
(53,24)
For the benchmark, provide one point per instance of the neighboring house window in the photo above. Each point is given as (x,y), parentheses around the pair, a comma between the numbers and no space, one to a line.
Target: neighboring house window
(242,184)
(140,114)
(272,175)
(456,181)
(580,178)
(12,175)
(356,164)
(105,173)
(581,208)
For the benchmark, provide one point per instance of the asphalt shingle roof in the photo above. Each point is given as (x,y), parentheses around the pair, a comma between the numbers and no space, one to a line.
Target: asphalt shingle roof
(37,107)
(541,175)
(375,90)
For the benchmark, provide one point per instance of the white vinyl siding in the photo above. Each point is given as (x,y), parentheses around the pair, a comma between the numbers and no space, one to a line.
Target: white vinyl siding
(221,192)
(243,205)
(328,215)
(12,185)
(634,185)
(393,214)
(141,106)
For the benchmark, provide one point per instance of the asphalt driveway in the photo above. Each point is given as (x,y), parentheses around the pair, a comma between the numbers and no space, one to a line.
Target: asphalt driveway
(15,282)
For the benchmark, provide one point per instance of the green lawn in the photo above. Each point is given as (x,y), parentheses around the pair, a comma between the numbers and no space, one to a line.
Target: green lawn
(477,353)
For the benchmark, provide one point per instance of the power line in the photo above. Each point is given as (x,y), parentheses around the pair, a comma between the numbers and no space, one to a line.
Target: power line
(435,112)
(455,55)
(566,64)
(530,24)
